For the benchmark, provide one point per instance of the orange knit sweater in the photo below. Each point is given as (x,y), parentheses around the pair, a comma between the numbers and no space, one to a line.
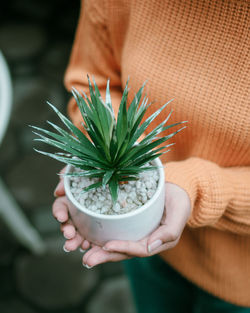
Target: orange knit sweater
(195,51)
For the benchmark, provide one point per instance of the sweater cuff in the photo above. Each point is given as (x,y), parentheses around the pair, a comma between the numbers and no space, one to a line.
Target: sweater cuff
(182,173)
(208,188)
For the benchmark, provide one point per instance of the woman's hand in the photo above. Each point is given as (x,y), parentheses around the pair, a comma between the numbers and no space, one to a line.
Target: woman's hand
(60,211)
(166,236)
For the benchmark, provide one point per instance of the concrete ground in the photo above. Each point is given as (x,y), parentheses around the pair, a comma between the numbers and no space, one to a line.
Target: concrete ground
(36,38)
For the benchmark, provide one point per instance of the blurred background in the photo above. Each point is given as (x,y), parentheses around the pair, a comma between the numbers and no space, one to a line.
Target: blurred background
(36,275)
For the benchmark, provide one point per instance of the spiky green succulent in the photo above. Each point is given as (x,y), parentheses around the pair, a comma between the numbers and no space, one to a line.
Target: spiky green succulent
(111,152)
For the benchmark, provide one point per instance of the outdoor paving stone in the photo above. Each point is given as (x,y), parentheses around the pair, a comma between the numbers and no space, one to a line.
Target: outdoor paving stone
(112,296)
(14,305)
(21,40)
(54,282)
(32,180)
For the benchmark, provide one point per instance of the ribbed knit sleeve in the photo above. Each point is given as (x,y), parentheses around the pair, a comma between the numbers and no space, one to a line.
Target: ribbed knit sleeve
(92,54)
(220,197)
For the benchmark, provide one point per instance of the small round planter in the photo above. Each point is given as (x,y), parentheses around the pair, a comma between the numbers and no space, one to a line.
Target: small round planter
(100,228)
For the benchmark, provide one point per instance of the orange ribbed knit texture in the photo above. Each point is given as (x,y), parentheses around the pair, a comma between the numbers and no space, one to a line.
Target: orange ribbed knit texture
(198,53)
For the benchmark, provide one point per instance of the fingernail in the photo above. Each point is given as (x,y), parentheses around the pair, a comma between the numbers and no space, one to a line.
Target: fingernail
(81,250)
(87,266)
(65,250)
(66,237)
(154,245)
(61,217)
(105,249)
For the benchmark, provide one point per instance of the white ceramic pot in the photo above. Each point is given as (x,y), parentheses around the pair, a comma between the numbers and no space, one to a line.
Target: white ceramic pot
(100,228)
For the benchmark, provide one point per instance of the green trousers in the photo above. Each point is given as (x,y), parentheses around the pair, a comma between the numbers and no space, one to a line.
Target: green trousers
(157,288)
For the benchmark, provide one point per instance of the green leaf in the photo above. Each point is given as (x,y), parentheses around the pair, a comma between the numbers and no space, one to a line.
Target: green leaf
(157,130)
(70,142)
(74,152)
(113,146)
(99,143)
(84,140)
(108,100)
(88,173)
(106,121)
(76,163)
(127,178)
(122,121)
(145,125)
(93,105)
(150,156)
(93,186)
(141,149)
(113,187)
(152,135)
(107,176)
(139,116)
(134,106)
(135,170)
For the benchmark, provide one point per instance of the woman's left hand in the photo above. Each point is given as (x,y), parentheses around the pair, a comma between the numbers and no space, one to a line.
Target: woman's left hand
(166,236)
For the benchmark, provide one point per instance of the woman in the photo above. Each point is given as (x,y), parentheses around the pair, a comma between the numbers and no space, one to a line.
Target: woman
(196,52)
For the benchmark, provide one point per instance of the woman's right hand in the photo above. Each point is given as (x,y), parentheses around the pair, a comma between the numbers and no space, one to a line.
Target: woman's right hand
(61,213)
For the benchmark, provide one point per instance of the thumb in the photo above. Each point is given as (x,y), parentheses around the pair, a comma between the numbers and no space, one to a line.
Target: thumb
(59,190)
(161,236)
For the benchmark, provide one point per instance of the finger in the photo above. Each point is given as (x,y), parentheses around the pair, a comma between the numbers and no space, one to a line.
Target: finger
(60,209)
(85,245)
(59,190)
(73,244)
(97,255)
(93,249)
(68,230)
(163,247)
(162,235)
(132,248)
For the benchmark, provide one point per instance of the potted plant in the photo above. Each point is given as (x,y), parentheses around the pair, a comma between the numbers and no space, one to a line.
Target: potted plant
(114,181)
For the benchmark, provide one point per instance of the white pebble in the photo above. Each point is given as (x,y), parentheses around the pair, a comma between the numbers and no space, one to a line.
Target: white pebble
(82,201)
(138,184)
(150,193)
(132,182)
(116,207)
(98,204)
(127,188)
(130,196)
(87,203)
(93,208)
(101,198)
(148,184)
(104,209)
